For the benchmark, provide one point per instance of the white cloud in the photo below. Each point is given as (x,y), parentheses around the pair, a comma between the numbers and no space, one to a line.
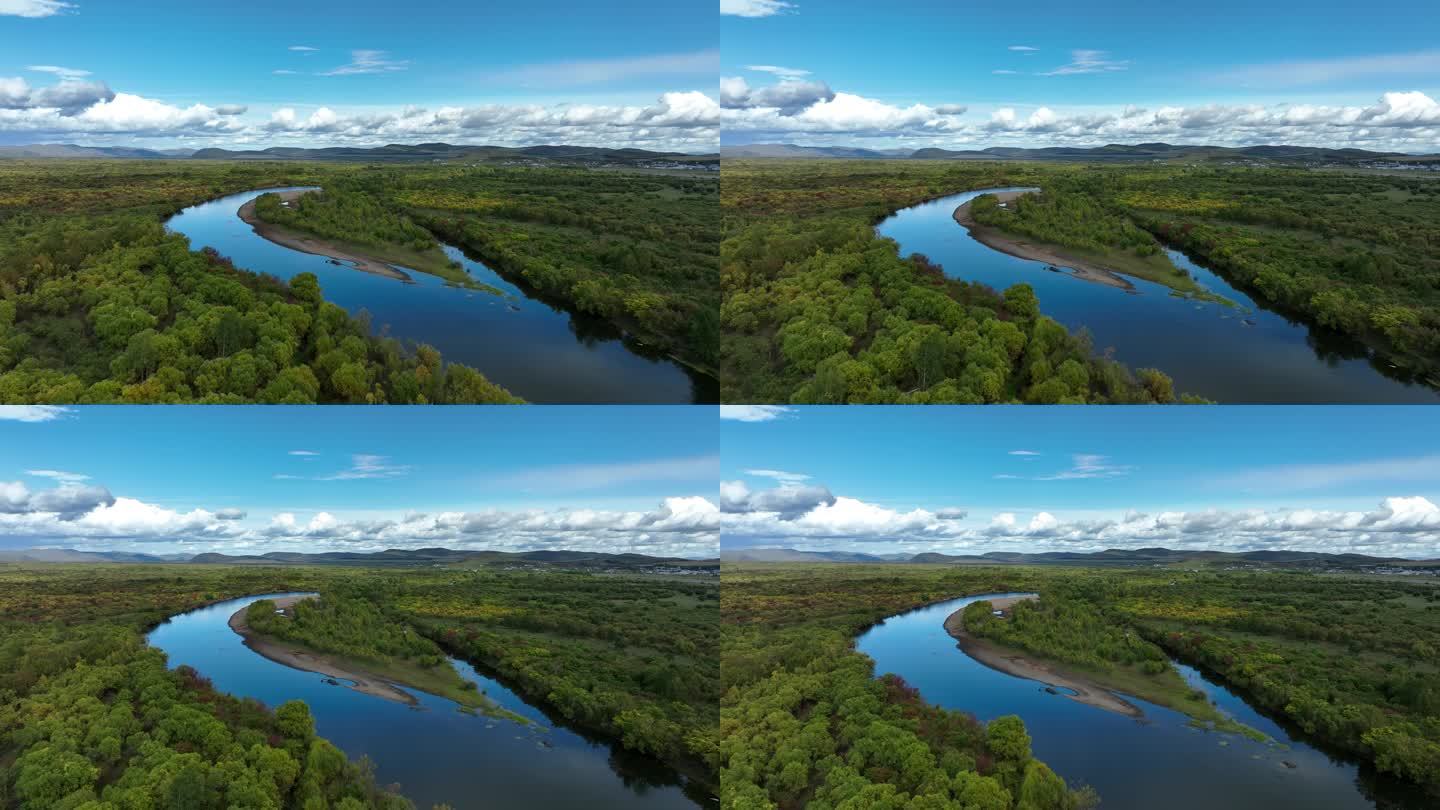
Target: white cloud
(1089,61)
(1414,64)
(62,72)
(90,518)
(779,475)
(306,49)
(1407,526)
(1023,453)
(303,453)
(595,71)
(34,8)
(364,466)
(1299,477)
(575,477)
(754,8)
(59,476)
(283,72)
(1023,48)
(368,61)
(1004,72)
(778,71)
(754,413)
(32,413)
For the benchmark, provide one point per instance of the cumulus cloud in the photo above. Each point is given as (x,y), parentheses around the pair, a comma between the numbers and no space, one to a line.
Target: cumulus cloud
(789,501)
(789,97)
(65,502)
(34,8)
(68,97)
(80,110)
(1407,526)
(90,517)
(1397,121)
(754,8)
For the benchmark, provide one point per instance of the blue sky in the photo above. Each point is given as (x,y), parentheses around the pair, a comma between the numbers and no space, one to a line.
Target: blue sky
(616,61)
(1343,478)
(1218,72)
(175,479)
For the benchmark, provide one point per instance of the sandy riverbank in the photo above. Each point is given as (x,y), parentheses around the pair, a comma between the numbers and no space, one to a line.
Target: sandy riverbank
(308,244)
(297,658)
(1012,662)
(993,238)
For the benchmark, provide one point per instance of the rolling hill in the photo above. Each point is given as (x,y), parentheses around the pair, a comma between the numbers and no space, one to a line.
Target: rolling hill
(1109,152)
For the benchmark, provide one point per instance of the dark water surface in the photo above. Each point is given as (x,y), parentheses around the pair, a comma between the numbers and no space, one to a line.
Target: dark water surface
(1159,761)
(538,351)
(1242,354)
(436,753)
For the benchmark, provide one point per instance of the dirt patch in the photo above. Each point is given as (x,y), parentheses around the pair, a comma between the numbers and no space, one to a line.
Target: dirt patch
(997,240)
(1013,662)
(301,659)
(295,240)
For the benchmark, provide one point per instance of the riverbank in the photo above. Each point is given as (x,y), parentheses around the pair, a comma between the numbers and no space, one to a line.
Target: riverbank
(1101,690)
(1105,270)
(1012,662)
(363,677)
(385,263)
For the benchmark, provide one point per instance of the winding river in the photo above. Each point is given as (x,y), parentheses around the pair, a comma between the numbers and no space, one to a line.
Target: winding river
(434,752)
(1243,354)
(537,350)
(1157,761)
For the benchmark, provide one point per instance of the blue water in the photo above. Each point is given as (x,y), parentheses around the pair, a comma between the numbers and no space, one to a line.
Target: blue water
(1159,761)
(537,350)
(1243,354)
(434,752)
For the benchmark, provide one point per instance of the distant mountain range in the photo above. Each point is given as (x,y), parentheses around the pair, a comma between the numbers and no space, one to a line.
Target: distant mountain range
(1114,151)
(1114,556)
(394,556)
(392,153)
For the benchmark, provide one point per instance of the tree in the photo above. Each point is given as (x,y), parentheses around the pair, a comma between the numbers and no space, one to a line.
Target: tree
(293,720)
(1007,738)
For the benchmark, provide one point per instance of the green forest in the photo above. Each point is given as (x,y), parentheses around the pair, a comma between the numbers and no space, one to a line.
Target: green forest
(805,722)
(1349,659)
(90,717)
(1355,252)
(631,657)
(636,249)
(819,309)
(100,304)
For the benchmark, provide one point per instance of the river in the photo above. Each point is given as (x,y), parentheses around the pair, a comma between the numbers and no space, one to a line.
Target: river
(1243,354)
(436,753)
(1157,761)
(537,350)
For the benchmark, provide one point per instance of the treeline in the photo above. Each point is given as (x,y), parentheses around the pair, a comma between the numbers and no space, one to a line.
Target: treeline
(344,625)
(1062,218)
(637,249)
(345,215)
(1358,253)
(1351,661)
(632,657)
(818,309)
(804,722)
(1067,629)
(90,717)
(109,307)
